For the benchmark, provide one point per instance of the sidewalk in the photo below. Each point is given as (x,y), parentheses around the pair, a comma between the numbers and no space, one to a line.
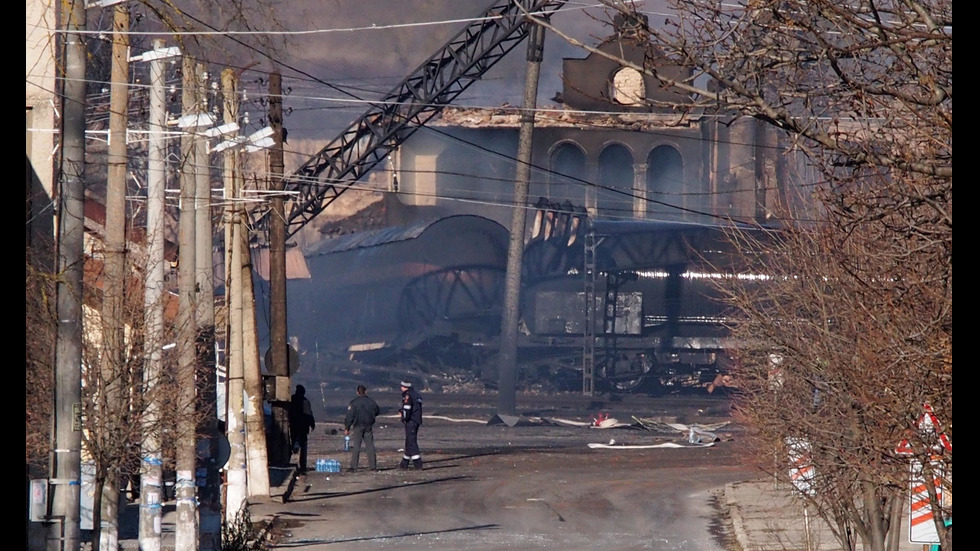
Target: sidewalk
(281,481)
(765,517)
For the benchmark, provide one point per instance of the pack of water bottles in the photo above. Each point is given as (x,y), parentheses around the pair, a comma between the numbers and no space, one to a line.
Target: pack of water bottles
(327,466)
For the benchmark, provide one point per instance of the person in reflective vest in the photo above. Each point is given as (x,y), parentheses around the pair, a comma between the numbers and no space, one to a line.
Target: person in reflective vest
(411,415)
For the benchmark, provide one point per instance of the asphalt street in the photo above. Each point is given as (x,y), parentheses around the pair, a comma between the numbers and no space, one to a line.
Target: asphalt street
(548,482)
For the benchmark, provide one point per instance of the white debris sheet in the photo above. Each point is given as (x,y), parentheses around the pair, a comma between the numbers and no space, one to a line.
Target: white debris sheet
(612,445)
(697,435)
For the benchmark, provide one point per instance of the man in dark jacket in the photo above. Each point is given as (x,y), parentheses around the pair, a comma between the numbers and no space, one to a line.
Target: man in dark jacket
(412,419)
(359,425)
(301,422)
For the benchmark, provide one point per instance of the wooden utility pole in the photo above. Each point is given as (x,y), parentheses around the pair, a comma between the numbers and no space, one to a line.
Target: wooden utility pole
(507,394)
(66,467)
(279,449)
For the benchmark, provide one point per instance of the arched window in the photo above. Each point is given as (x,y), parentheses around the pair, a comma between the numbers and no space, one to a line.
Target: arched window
(628,87)
(568,174)
(614,198)
(665,182)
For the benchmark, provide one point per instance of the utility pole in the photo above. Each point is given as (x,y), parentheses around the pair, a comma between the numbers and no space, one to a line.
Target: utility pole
(186,530)
(151,473)
(507,396)
(66,467)
(106,533)
(255,439)
(236,485)
(279,449)
(209,495)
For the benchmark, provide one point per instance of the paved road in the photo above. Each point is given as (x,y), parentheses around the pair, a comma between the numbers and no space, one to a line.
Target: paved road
(537,486)
(528,487)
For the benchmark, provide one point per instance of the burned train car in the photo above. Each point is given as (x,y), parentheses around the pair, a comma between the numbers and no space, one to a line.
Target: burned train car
(412,292)
(429,297)
(658,315)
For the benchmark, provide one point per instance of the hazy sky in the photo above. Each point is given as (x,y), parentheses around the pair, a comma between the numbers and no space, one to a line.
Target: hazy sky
(337,55)
(366,48)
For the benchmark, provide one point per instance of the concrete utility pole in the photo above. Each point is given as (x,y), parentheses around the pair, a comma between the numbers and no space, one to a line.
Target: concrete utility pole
(151,473)
(66,467)
(114,285)
(235,490)
(507,396)
(186,530)
(279,449)
(255,439)
(209,496)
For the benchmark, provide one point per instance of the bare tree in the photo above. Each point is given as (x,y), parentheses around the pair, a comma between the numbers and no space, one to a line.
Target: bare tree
(115,402)
(850,335)
(846,358)
(39,374)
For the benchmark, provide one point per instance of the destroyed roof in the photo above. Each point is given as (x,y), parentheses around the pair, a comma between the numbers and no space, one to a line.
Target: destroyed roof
(507,116)
(369,238)
(394,234)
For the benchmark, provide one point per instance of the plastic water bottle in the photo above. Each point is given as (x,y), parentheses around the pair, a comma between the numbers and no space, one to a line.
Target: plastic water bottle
(346,442)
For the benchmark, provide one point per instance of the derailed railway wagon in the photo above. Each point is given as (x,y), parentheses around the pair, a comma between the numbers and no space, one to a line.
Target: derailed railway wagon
(428,298)
(641,300)
(402,297)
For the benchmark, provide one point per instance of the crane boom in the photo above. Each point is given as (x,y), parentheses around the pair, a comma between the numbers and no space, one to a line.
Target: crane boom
(391,120)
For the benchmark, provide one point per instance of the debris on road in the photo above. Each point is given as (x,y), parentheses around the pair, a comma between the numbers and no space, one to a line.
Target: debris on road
(613,446)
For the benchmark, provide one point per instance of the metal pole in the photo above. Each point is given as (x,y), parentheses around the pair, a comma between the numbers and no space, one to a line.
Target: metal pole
(151,474)
(588,346)
(66,452)
(507,397)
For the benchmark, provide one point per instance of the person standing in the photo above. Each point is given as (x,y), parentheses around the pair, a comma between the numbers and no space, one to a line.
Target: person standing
(359,425)
(301,423)
(412,418)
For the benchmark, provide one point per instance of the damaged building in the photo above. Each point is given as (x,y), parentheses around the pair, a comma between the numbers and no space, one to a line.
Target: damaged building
(613,149)
(613,142)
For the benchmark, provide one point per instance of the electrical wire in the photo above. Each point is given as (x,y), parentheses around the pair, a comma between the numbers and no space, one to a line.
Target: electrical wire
(626,192)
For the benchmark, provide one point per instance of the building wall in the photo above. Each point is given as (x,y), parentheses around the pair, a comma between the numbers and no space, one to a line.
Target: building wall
(715,170)
(39,124)
(588,81)
(617,158)
(40,119)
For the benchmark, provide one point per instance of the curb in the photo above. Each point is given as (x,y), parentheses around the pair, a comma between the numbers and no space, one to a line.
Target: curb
(280,494)
(735,517)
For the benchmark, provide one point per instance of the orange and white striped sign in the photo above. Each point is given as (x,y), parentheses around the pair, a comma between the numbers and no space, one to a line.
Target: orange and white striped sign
(928,426)
(922,528)
(801,470)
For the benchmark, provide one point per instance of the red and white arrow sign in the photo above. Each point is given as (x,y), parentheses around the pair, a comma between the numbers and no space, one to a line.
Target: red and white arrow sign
(927,423)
